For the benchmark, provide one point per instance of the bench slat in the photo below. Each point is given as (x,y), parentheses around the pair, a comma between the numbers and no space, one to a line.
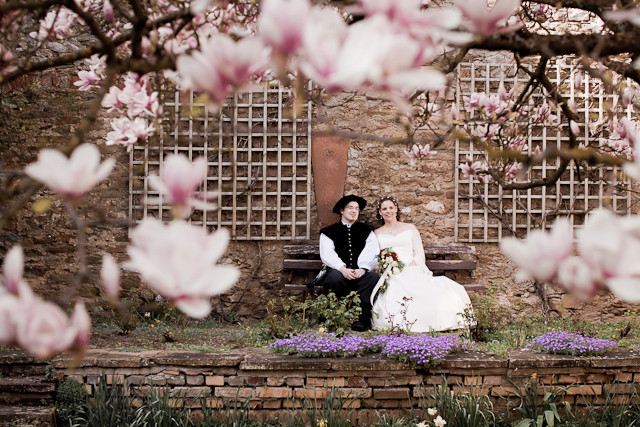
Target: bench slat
(302,264)
(449,264)
(449,250)
(428,250)
(471,287)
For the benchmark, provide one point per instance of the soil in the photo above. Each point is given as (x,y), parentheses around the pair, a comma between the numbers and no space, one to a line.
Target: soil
(155,335)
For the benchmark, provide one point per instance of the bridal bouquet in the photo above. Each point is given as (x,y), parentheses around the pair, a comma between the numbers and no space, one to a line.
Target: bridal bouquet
(389,264)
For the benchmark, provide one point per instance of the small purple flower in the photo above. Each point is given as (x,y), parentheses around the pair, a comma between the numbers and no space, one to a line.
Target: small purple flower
(420,350)
(562,342)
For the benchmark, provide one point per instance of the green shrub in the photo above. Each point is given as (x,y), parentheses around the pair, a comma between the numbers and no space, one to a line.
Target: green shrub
(333,314)
(71,399)
(286,317)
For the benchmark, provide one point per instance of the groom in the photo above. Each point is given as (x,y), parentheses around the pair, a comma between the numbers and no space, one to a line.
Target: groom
(350,249)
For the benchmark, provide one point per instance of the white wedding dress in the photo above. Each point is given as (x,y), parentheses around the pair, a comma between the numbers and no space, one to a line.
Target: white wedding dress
(415,299)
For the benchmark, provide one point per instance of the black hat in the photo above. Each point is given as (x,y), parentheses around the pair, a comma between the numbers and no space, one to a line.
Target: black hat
(346,199)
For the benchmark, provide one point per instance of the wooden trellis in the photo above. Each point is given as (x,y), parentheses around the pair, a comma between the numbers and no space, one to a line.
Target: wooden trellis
(258,150)
(487,213)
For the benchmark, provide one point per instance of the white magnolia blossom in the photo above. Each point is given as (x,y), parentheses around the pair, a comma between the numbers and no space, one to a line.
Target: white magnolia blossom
(178,261)
(71,176)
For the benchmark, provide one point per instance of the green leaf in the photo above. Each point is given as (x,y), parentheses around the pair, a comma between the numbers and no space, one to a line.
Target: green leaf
(550,418)
(526,422)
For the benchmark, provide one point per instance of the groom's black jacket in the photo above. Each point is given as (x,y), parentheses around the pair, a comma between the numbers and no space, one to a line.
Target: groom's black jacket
(348,241)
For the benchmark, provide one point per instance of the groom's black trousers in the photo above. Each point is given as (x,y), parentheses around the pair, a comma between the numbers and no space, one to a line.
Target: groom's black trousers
(335,282)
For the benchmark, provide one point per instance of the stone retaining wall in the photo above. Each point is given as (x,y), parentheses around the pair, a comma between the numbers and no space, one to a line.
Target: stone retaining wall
(274,384)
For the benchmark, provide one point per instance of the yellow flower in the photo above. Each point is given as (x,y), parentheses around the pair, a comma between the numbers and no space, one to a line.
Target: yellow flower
(439,422)
(153,326)
(322,423)
(534,376)
(321,330)
(432,411)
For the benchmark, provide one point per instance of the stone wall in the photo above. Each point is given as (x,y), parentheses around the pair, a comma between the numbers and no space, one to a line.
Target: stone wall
(44,109)
(273,384)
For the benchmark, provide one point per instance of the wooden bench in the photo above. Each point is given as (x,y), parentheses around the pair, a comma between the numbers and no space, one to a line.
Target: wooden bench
(304,260)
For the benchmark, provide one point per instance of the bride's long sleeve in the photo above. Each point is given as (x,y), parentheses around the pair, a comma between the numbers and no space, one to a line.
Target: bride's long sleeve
(418,248)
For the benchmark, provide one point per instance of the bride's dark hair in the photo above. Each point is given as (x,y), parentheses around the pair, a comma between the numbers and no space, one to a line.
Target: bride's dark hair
(384,199)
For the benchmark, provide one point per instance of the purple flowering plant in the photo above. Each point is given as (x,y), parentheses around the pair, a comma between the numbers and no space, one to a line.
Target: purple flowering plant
(419,350)
(562,342)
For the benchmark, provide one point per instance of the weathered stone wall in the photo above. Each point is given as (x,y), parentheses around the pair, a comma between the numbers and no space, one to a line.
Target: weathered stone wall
(274,385)
(45,109)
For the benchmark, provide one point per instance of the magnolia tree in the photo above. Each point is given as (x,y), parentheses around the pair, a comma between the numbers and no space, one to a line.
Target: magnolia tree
(401,50)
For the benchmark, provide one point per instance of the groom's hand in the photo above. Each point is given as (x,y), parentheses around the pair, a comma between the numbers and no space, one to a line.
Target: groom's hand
(360,272)
(348,273)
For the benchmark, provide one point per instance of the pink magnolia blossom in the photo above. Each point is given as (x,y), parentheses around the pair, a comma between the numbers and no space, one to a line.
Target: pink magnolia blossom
(485,21)
(9,305)
(43,328)
(88,80)
(630,14)
(57,24)
(282,23)
(609,244)
(110,276)
(80,325)
(341,57)
(111,100)
(222,65)
(71,176)
(419,152)
(475,100)
(178,261)
(577,276)
(12,269)
(178,180)
(541,253)
(143,104)
(470,168)
(127,132)
(575,127)
(322,40)
(107,10)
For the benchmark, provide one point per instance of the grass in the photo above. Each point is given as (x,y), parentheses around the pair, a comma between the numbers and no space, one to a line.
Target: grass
(180,333)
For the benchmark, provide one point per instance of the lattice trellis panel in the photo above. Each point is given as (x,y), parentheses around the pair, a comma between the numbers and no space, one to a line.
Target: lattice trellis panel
(487,213)
(258,149)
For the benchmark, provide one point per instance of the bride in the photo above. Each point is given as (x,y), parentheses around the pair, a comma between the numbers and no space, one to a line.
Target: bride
(414,299)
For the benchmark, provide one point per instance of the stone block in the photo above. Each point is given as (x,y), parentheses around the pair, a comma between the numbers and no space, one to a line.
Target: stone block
(474,391)
(355,382)
(175,380)
(270,362)
(491,380)
(624,377)
(191,358)
(273,392)
(391,393)
(376,382)
(590,389)
(275,381)
(256,381)
(195,380)
(475,380)
(115,379)
(272,404)
(294,382)
(190,392)
(618,388)
(315,382)
(233,392)
(214,380)
(311,393)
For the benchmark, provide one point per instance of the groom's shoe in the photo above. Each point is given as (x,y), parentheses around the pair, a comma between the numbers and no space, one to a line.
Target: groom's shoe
(358,326)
